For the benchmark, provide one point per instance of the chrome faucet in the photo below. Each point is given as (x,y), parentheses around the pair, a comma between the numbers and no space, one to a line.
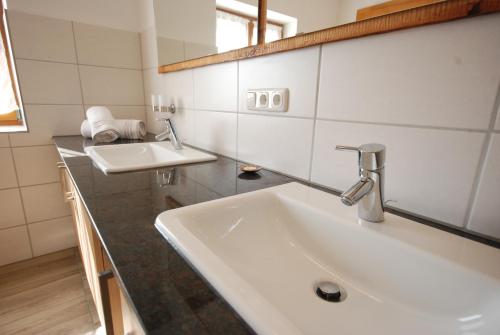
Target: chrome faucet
(368,192)
(169,133)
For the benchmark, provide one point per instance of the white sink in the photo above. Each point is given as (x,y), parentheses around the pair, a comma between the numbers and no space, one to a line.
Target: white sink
(265,251)
(136,156)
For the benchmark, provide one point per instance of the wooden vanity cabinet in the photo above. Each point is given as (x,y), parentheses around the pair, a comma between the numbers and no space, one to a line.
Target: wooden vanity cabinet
(113,309)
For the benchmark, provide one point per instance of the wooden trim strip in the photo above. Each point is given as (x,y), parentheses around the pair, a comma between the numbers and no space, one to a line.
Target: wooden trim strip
(429,14)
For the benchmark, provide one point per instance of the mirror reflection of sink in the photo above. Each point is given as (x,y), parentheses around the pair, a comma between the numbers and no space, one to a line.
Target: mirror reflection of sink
(265,252)
(137,156)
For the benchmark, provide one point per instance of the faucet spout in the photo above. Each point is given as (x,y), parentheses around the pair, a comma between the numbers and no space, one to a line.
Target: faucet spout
(354,194)
(171,134)
(368,192)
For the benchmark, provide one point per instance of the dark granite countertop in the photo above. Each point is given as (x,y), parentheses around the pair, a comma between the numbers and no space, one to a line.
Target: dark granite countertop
(167,294)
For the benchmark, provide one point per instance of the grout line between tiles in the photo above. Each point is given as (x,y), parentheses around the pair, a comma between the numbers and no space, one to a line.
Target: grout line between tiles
(407,125)
(352,121)
(78,68)
(22,201)
(51,219)
(316,98)
(34,222)
(482,161)
(77,63)
(41,184)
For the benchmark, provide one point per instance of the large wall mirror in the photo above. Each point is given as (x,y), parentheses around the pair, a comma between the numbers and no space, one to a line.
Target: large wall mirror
(193,33)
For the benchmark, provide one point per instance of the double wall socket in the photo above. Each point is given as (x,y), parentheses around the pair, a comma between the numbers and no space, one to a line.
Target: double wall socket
(268,99)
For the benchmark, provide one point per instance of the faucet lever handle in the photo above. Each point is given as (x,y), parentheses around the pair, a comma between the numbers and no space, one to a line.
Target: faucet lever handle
(346,148)
(371,156)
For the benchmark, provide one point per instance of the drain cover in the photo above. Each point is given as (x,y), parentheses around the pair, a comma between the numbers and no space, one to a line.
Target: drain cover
(329,291)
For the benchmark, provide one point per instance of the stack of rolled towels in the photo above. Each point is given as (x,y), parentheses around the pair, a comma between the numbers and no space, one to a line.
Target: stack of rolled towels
(102,127)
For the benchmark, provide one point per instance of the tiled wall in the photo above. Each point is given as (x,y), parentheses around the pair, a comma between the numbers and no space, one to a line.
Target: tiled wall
(430,94)
(64,67)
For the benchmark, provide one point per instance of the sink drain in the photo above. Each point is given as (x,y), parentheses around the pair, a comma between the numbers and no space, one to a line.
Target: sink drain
(330,291)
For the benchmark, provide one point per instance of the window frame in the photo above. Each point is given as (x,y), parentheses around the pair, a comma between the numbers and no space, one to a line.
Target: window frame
(13,121)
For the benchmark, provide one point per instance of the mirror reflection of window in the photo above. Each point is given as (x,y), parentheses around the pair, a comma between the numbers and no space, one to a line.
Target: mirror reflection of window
(273,33)
(8,101)
(235,31)
(10,111)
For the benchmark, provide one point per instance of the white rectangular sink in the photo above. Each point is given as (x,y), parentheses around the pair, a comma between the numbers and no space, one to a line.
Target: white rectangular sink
(266,251)
(137,156)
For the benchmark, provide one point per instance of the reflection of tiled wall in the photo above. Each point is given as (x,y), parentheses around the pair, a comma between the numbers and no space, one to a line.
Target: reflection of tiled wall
(430,94)
(64,67)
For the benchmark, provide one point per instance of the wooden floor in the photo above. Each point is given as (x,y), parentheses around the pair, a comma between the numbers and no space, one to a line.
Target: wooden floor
(47,295)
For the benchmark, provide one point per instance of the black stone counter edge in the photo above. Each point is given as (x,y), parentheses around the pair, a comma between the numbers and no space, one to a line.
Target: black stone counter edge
(420,219)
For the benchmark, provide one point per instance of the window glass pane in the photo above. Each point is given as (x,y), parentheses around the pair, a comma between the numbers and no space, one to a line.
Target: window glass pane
(232,32)
(273,33)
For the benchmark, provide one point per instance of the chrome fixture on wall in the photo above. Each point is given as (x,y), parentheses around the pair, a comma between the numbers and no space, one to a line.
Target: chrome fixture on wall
(368,192)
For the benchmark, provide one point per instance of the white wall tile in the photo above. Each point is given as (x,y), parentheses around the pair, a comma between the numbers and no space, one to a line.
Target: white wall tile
(154,83)
(179,88)
(108,86)
(216,131)
(51,236)
(11,209)
(48,83)
(216,87)
(43,38)
(4,141)
(125,112)
(44,202)
(8,172)
(97,45)
(196,50)
(485,217)
(440,75)
(428,172)
(296,70)
(169,50)
(148,48)
(184,122)
(36,165)
(14,245)
(45,121)
(282,144)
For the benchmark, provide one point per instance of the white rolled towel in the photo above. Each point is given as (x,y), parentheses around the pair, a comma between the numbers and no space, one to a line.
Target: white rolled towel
(102,125)
(129,129)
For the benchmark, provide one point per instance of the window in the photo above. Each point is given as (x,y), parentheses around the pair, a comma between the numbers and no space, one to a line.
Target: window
(10,103)
(235,30)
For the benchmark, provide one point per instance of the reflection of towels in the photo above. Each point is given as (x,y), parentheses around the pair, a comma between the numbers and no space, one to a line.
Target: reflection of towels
(102,125)
(129,129)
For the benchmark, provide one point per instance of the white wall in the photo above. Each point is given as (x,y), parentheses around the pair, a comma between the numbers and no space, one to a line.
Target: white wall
(427,93)
(347,9)
(121,14)
(64,67)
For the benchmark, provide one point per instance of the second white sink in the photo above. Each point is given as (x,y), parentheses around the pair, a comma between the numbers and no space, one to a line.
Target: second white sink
(137,156)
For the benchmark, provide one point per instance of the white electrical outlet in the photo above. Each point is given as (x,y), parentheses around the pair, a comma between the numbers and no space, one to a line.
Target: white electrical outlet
(268,99)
